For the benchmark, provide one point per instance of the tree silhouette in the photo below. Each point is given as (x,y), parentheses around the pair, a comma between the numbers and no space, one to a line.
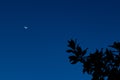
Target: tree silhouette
(101,64)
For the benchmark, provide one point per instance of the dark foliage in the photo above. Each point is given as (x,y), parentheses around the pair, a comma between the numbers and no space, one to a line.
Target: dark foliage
(100,64)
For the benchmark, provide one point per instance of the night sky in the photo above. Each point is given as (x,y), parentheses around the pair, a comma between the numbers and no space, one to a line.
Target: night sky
(39,52)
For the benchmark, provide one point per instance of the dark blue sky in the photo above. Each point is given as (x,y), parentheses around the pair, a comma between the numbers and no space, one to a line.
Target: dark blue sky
(38,53)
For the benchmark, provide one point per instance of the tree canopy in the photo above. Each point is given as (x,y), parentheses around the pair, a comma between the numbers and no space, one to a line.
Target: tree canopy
(101,64)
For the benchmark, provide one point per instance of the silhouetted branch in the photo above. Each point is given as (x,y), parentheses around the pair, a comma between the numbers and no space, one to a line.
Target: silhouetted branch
(99,64)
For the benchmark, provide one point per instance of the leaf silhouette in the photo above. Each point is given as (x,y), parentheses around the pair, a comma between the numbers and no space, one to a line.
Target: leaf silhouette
(69,51)
(116,45)
(99,64)
(71,44)
(73,59)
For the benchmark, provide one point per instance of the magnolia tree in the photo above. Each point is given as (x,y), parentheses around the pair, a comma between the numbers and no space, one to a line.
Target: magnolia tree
(101,64)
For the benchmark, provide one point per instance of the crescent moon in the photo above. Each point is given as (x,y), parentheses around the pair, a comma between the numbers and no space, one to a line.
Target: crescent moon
(25,27)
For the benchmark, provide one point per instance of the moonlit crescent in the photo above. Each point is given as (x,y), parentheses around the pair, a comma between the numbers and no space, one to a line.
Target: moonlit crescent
(25,27)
